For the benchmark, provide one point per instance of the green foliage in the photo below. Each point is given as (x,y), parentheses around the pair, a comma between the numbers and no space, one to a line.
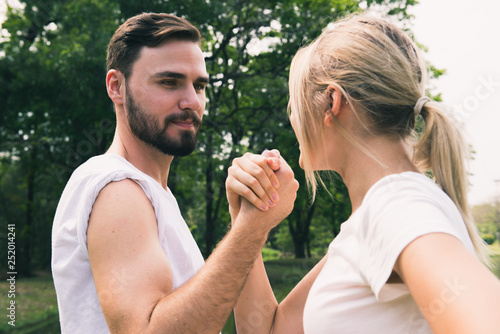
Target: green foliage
(495,257)
(487,218)
(52,108)
(487,214)
(55,114)
(269,254)
(488,227)
(286,273)
(489,238)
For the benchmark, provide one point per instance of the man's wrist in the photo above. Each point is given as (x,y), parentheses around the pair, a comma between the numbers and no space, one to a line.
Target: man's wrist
(249,228)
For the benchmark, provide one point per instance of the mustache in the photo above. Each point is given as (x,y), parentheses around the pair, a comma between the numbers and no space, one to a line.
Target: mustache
(184,116)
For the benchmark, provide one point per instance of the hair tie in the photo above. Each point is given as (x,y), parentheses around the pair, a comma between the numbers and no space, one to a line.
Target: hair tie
(420,104)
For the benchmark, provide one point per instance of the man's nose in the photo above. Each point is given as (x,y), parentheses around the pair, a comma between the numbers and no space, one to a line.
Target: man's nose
(191,99)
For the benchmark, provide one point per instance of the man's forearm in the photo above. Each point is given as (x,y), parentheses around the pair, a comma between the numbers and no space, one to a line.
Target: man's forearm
(204,303)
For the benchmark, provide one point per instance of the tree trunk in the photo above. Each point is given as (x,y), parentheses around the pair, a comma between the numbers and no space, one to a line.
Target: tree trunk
(24,261)
(300,231)
(299,245)
(209,197)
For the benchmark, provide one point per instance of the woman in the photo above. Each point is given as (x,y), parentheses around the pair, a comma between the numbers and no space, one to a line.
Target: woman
(408,260)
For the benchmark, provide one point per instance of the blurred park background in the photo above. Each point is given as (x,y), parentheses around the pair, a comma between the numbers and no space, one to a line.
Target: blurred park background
(55,114)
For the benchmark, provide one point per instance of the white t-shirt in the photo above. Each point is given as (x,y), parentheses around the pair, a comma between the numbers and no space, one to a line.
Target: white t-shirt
(351,293)
(79,308)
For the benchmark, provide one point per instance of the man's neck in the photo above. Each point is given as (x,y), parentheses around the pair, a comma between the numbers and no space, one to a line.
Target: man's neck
(144,157)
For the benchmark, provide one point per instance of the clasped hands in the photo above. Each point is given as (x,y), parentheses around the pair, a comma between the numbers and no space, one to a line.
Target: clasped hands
(262,186)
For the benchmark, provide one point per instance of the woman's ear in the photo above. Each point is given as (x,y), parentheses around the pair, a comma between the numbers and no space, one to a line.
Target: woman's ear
(115,81)
(334,96)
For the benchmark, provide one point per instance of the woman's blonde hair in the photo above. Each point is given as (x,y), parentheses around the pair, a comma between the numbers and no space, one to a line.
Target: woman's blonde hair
(380,74)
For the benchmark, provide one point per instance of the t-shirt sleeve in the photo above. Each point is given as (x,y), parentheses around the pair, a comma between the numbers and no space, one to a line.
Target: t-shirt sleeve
(392,221)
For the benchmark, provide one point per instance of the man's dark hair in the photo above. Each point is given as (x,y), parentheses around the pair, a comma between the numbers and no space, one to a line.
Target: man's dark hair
(147,29)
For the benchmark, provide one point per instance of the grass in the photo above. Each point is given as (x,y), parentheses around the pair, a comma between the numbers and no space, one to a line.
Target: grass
(285,274)
(36,304)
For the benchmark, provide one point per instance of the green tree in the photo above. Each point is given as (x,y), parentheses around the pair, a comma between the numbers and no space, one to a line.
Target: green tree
(249,49)
(55,114)
(487,218)
(53,110)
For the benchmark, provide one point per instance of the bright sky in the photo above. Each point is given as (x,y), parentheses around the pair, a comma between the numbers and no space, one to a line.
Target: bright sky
(463,38)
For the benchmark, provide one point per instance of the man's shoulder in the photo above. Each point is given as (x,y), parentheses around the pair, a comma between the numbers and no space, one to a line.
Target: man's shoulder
(125,198)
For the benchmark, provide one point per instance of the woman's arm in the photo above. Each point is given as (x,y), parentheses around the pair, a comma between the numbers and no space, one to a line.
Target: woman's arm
(290,313)
(455,292)
(257,310)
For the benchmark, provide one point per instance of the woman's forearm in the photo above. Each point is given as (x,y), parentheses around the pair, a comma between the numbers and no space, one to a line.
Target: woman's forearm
(254,312)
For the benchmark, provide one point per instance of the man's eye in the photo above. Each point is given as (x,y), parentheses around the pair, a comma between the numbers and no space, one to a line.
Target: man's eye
(168,82)
(199,87)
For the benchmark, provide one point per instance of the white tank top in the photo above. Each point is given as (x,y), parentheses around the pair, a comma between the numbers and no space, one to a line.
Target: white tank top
(79,309)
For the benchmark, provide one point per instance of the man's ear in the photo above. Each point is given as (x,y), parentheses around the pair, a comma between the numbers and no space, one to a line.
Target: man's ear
(115,84)
(334,96)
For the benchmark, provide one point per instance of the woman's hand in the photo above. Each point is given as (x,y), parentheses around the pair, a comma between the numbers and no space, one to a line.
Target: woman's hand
(253,177)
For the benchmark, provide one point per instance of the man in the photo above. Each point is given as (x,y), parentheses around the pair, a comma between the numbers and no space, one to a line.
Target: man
(124,260)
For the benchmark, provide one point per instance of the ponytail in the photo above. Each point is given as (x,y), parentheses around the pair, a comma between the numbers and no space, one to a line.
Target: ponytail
(441,149)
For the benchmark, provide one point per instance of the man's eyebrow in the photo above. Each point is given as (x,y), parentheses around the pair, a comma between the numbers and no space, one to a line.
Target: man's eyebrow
(203,79)
(177,75)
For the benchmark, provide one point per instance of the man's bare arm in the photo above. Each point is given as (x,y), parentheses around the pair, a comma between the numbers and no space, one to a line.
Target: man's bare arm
(133,276)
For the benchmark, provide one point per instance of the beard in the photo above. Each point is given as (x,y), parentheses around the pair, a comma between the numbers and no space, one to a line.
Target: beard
(145,127)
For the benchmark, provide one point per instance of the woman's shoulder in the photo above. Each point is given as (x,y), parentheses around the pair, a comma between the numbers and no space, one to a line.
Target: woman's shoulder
(406,187)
